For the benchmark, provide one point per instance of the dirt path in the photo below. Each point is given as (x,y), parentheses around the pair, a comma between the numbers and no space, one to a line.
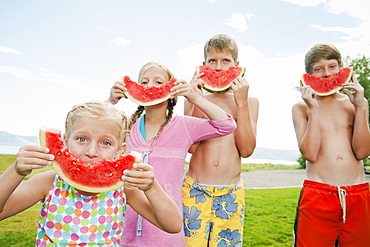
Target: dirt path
(275,179)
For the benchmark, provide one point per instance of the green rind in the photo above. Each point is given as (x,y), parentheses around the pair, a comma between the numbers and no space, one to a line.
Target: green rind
(218,90)
(305,77)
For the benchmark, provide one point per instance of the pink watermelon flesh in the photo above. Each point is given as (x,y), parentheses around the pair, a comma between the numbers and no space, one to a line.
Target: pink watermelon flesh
(98,177)
(219,81)
(147,96)
(330,85)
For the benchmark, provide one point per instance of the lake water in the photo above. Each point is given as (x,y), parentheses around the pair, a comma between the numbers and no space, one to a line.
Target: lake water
(9,149)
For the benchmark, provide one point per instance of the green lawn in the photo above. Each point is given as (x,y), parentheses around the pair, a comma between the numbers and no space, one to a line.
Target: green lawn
(269,215)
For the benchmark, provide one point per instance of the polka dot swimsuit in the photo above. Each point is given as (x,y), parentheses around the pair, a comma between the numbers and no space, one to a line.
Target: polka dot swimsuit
(68,218)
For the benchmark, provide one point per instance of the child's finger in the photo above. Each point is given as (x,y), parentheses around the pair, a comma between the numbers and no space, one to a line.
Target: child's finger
(143,166)
(301,83)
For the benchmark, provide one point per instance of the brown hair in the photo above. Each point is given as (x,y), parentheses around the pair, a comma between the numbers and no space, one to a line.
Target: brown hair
(170,105)
(97,110)
(221,42)
(321,51)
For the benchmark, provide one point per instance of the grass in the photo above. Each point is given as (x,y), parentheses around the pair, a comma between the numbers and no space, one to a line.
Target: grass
(269,214)
(269,217)
(268,166)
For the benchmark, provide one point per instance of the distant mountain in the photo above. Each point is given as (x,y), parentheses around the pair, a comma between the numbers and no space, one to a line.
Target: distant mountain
(13,140)
(275,154)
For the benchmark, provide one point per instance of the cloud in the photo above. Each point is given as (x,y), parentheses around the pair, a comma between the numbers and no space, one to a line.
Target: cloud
(309,3)
(71,83)
(353,33)
(20,73)
(238,21)
(9,50)
(188,58)
(356,38)
(121,41)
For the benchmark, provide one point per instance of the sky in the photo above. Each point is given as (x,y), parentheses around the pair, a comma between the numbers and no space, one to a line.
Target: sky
(55,54)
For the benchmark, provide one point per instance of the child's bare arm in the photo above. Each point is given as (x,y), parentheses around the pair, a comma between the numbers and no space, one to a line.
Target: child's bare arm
(147,198)
(212,111)
(361,134)
(247,115)
(306,125)
(15,197)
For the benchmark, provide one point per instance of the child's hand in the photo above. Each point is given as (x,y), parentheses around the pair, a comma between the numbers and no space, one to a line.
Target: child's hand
(141,178)
(117,92)
(182,88)
(356,94)
(240,87)
(30,157)
(197,83)
(309,96)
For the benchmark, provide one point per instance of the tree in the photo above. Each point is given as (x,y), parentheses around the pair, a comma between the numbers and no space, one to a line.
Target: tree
(361,67)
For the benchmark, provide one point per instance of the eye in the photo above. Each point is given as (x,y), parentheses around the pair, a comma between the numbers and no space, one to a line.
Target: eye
(159,82)
(211,61)
(106,143)
(144,82)
(226,61)
(81,139)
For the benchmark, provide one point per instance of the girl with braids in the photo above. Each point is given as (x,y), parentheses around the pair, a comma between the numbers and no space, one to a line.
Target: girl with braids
(164,140)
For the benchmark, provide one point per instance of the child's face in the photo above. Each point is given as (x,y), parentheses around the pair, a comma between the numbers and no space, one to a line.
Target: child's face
(325,68)
(93,139)
(220,60)
(154,76)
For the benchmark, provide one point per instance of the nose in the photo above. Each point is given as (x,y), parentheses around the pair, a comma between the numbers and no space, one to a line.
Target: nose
(91,151)
(218,66)
(149,84)
(326,73)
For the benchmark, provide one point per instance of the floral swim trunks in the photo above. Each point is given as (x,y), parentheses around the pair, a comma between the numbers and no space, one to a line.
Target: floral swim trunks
(213,215)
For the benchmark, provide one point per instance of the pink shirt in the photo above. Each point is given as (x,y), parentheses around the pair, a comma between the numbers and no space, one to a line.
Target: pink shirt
(167,156)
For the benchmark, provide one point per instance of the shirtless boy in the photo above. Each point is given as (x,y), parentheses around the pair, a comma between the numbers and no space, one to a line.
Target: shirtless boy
(333,135)
(213,195)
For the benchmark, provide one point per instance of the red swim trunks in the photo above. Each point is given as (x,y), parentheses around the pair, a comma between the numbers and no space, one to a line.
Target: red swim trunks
(329,215)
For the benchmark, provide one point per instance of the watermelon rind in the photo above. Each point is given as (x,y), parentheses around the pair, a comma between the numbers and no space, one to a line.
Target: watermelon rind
(220,89)
(330,85)
(88,170)
(143,96)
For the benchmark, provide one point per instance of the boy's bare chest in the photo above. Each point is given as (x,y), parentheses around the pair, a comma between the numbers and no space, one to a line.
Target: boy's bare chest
(336,117)
(225,101)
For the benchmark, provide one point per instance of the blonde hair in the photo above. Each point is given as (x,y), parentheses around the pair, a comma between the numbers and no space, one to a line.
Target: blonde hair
(321,51)
(98,110)
(171,102)
(221,42)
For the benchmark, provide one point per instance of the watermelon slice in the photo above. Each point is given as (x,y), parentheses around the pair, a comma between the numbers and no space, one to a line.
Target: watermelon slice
(219,81)
(98,177)
(330,85)
(147,96)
